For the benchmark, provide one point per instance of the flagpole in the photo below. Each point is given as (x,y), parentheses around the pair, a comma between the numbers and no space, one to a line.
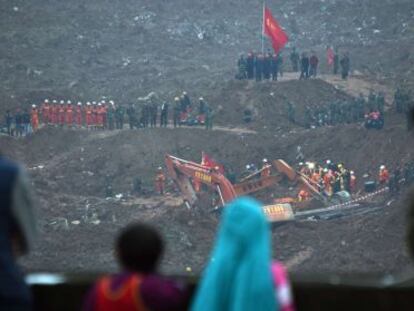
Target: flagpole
(263,21)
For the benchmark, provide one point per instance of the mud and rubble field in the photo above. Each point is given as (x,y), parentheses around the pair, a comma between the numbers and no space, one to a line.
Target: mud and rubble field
(124,50)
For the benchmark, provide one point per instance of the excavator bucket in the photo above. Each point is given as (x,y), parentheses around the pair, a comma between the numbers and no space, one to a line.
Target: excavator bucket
(279,212)
(286,169)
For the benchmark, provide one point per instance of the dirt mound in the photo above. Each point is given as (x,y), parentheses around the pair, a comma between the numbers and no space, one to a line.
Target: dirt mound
(268,101)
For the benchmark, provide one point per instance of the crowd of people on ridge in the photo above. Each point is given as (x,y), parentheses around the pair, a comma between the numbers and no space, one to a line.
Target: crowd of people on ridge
(269,66)
(108,115)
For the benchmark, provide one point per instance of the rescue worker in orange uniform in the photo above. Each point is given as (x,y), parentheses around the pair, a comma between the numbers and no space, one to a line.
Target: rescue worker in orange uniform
(54,112)
(327,181)
(384,175)
(78,114)
(94,115)
(45,109)
(88,115)
(160,181)
(99,116)
(303,195)
(266,169)
(352,182)
(34,118)
(61,113)
(69,114)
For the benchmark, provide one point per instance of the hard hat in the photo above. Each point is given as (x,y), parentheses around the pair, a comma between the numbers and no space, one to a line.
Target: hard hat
(69,102)
(159,168)
(62,102)
(54,101)
(184,93)
(382,167)
(339,165)
(311,165)
(103,101)
(111,102)
(264,160)
(34,106)
(325,170)
(352,172)
(300,163)
(88,104)
(93,103)
(328,161)
(247,167)
(46,100)
(99,104)
(79,104)
(201,98)
(176,99)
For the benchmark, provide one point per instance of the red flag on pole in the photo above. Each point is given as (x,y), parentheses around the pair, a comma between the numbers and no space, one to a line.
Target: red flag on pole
(272,29)
(330,56)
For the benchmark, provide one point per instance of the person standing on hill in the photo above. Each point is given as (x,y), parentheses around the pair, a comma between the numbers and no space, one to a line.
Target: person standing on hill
(345,65)
(304,64)
(266,66)
(336,62)
(242,68)
(294,59)
(209,117)
(313,62)
(250,65)
(34,118)
(177,112)
(9,122)
(258,68)
(274,65)
(164,115)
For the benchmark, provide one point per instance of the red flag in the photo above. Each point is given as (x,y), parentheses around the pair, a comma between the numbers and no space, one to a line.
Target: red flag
(209,162)
(330,56)
(272,29)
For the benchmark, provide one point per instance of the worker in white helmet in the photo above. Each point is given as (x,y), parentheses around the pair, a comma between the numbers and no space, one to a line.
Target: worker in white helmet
(78,115)
(383,176)
(266,167)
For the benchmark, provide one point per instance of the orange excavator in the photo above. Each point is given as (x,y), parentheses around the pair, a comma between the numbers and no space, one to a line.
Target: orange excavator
(189,175)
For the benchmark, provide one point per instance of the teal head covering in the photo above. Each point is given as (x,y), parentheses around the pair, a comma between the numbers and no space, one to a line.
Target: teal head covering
(238,276)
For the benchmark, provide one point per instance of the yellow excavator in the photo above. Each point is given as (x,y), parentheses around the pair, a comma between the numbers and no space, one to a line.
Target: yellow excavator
(189,175)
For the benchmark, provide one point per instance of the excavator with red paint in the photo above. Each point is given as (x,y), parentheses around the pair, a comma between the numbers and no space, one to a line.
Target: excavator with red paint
(189,176)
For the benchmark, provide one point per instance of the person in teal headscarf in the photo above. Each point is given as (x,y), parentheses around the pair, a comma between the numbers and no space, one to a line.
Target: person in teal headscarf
(239,274)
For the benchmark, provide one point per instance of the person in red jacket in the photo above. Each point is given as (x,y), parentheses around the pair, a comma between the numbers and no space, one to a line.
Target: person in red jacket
(313,63)
(88,115)
(138,286)
(69,114)
(78,115)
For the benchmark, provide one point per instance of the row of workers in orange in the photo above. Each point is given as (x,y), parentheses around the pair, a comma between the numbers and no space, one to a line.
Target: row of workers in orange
(91,114)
